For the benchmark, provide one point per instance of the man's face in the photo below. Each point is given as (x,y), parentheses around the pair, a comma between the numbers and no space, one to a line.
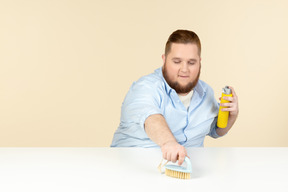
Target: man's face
(182,67)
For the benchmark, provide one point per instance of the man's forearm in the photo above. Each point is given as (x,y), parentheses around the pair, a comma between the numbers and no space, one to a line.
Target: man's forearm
(223,131)
(158,130)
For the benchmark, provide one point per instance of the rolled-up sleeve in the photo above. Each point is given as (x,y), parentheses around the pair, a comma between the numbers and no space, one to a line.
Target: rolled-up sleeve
(142,100)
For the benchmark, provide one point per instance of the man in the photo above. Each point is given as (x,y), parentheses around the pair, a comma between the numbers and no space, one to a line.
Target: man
(171,107)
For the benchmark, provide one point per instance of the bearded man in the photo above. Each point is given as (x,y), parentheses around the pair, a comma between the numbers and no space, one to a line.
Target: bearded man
(171,108)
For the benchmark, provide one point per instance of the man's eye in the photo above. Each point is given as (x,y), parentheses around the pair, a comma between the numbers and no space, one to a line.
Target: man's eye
(177,62)
(191,63)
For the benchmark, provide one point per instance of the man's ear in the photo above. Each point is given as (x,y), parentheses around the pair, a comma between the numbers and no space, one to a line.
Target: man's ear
(163,58)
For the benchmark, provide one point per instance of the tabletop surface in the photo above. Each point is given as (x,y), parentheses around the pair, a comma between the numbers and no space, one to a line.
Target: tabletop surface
(135,169)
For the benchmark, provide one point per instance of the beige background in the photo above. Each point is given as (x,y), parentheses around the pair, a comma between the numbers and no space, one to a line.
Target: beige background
(65,66)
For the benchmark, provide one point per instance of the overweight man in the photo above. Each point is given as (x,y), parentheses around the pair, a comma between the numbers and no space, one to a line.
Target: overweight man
(171,108)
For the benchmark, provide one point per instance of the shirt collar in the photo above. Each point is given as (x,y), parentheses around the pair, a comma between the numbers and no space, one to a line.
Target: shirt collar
(198,88)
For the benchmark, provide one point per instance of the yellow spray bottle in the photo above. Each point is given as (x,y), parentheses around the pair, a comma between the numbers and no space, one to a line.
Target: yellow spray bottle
(223,115)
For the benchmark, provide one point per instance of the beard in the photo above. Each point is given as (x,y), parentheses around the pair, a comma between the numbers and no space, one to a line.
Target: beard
(176,86)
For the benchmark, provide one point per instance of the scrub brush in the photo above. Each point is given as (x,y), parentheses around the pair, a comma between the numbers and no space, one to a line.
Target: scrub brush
(178,171)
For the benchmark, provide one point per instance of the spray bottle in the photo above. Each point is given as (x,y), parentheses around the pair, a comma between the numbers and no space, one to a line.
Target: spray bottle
(223,115)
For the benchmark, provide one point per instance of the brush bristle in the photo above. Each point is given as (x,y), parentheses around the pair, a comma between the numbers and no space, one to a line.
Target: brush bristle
(177,174)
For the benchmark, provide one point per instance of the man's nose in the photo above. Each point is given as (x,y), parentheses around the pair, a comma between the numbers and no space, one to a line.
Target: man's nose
(184,67)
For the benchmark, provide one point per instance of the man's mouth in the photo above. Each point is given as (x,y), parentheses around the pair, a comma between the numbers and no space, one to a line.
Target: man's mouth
(183,76)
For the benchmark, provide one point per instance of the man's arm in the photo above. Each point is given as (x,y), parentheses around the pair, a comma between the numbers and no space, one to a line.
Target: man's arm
(233,109)
(159,132)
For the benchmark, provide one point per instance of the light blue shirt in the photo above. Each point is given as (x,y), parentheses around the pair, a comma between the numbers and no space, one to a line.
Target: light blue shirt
(152,95)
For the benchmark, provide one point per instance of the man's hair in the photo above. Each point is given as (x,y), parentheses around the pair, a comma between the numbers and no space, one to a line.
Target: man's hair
(185,37)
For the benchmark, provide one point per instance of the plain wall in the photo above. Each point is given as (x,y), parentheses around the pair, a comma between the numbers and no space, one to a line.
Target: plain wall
(66,66)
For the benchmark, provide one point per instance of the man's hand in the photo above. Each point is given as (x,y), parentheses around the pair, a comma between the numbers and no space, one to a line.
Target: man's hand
(232,106)
(173,151)
(233,109)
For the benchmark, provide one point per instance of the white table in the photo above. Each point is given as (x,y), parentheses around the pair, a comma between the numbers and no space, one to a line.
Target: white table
(135,169)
